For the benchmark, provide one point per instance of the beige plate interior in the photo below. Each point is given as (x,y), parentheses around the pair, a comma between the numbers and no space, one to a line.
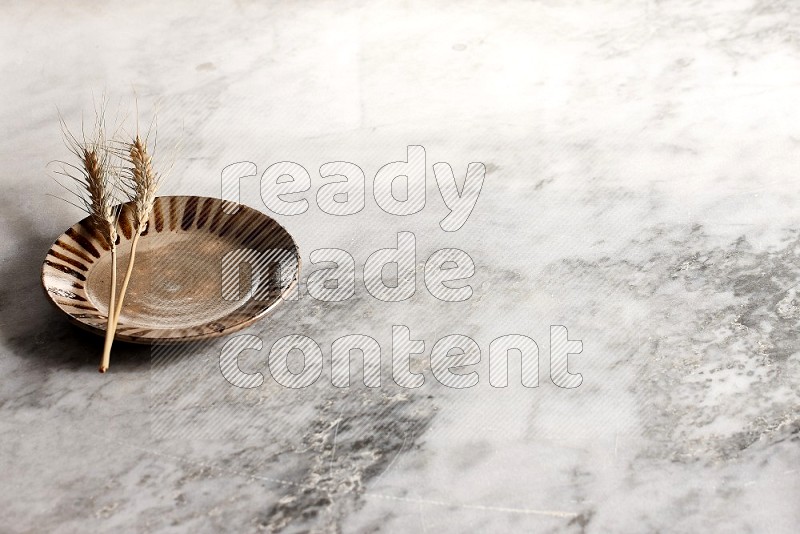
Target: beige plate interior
(176,291)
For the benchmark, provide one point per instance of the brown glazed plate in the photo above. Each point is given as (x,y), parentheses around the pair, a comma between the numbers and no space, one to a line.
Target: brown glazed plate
(176,291)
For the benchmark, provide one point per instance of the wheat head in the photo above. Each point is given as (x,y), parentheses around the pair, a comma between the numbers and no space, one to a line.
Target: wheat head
(95,177)
(142,181)
(101,193)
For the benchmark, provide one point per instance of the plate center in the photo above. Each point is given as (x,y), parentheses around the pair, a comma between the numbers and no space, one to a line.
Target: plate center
(176,281)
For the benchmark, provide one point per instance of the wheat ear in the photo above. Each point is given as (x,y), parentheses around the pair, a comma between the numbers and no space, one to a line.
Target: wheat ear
(142,184)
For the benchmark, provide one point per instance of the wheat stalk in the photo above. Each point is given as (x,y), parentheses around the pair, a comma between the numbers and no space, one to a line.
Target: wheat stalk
(95,178)
(97,182)
(142,184)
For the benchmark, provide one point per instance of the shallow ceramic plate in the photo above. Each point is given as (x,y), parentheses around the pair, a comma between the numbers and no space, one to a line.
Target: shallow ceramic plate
(176,291)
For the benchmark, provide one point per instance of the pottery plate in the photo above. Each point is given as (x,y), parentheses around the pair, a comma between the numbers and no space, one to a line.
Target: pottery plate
(192,277)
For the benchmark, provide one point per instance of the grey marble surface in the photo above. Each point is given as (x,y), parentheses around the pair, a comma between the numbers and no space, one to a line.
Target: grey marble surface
(642,166)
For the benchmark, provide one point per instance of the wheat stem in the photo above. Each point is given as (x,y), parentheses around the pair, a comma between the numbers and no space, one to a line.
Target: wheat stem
(110,325)
(125,281)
